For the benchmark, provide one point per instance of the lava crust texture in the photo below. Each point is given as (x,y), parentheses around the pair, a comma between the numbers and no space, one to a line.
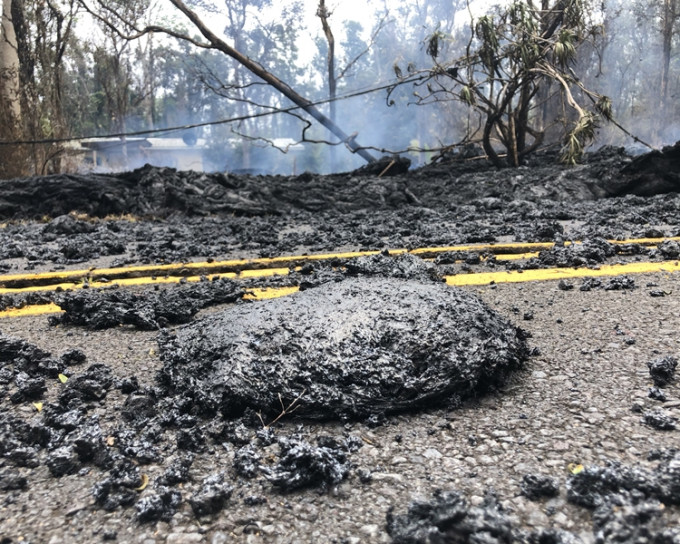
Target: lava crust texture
(359,348)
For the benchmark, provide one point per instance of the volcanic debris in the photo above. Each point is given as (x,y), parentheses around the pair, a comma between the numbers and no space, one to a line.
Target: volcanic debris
(353,349)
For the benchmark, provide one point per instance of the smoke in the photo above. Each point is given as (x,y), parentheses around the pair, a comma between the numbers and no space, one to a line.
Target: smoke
(623,63)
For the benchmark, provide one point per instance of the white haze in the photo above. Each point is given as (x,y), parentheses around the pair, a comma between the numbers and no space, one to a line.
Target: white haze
(404,125)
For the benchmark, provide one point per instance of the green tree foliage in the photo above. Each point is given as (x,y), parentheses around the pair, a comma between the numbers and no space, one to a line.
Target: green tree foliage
(511,55)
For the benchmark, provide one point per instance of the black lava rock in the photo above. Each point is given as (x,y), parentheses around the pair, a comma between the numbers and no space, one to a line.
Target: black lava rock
(11,481)
(660,420)
(28,388)
(161,505)
(73,357)
(448,518)
(594,486)
(662,370)
(178,471)
(212,495)
(657,394)
(537,486)
(317,352)
(120,487)
(303,465)
(247,461)
(149,310)
(623,519)
(63,461)
(90,446)
(139,407)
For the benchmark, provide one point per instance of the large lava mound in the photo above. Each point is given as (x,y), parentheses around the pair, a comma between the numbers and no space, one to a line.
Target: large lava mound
(358,348)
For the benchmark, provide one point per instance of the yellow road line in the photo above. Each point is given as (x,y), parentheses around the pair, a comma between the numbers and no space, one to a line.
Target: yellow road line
(38,309)
(237,265)
(144,280)
(517,276)
(482,278)
(270,292)
(259,293)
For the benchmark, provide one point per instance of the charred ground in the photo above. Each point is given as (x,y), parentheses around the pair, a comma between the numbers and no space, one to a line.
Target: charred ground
(131,447)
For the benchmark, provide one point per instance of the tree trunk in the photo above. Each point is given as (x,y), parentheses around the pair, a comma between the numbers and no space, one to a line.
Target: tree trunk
(323,14)
(9,68)
(262,73)
(12,157)
(670,12)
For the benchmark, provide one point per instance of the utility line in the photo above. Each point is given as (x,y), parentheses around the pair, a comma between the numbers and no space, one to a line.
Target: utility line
(213,123)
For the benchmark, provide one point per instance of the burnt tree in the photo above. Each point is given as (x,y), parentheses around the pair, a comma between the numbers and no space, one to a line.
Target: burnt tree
(210,40)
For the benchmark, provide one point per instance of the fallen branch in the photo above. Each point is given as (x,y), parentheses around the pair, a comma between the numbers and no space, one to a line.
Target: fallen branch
(285,410)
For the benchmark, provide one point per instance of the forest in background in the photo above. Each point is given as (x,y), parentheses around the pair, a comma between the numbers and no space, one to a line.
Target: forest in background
(68,69)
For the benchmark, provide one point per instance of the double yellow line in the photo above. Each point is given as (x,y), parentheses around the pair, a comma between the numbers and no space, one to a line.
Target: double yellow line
(263,267)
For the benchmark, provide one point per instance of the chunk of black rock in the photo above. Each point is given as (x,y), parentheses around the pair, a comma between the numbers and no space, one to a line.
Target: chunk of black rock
(178,471)
(6,375)
(662,454)
(73,357)
(28,388)
(192,439)
(11,481)
(68,420)
(621,519)
(590,283)
(553,536)
(128,385)
(109,534)
(662,370)
(109,494)
(365,475)
(354,349)
(658,293)
(149,310)
(594,486)
(637,407)
(25,357)
(670,249)
(236,434)
(63,461)
(403,266)
(119,489)
(23,456)
(92,385)
(139,407)
(67,225)
(619,283)
(448,518)
(90,444)
(158,506)
(139,448)
(563,285)
(254,500)
(303,465)
(247,462)
(660,420)
(657,394)
(211,496)
(538,486)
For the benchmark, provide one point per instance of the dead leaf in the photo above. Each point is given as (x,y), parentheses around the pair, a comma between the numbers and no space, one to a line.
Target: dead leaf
(145,482)
(575,468)
(62,378)
(38,406)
